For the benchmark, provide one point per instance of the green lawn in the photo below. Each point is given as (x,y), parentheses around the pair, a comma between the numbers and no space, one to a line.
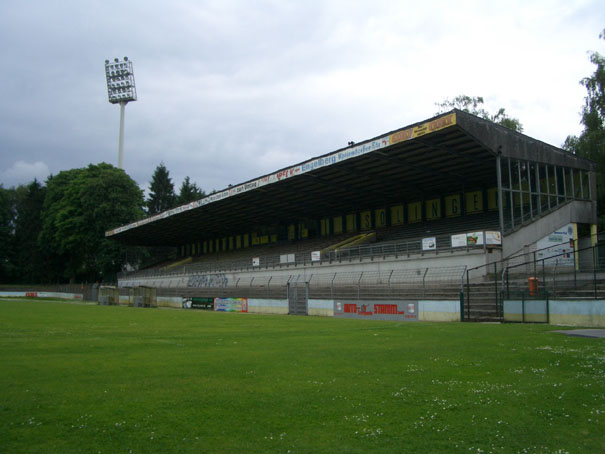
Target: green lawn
(104,379)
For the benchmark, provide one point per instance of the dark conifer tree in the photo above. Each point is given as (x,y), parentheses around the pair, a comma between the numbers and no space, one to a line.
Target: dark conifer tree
(161,191)
(189,192)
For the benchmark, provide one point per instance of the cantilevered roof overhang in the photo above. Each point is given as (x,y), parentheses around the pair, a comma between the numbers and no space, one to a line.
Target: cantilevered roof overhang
(450,153)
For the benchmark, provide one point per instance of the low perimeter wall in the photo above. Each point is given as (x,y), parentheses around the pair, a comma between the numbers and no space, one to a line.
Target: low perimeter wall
(61,295)
(422,310)
(556,312)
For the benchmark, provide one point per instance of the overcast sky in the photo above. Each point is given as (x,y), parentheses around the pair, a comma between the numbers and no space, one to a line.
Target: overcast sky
(230,90)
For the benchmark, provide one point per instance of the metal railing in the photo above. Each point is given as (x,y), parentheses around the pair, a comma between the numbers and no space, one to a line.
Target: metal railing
(442,283)
(579,273)
(572,273)
(412,246)
(403,248)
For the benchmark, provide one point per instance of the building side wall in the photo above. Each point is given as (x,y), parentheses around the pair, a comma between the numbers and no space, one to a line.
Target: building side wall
(576,211)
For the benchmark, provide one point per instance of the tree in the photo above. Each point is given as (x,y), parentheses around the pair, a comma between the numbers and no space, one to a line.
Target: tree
(474,105)
(161,191)
(6,237)
(80,205)
(28,258)
(189,192)
(591,142)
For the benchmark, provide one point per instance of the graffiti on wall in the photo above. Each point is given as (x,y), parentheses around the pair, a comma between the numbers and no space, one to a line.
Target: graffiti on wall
(208,281)
(385,310)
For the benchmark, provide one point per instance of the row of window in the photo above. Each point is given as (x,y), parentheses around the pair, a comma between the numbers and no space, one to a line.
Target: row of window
(530,189)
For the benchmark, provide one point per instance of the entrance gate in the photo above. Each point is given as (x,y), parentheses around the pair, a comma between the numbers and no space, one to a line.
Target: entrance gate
(298,296)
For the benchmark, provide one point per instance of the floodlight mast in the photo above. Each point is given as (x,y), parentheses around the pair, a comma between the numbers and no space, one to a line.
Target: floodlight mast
(120,90)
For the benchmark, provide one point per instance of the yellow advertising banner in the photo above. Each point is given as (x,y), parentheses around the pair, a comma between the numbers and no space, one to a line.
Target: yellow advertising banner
(433,209)
(474,202)
(453,206)
(366,220)
(381,217)
(397,215)
(492,199)
(414,212)
(424,128)
(351,224)
(338,225)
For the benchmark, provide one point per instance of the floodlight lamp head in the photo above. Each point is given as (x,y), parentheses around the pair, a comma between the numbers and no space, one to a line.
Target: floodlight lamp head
(121,87)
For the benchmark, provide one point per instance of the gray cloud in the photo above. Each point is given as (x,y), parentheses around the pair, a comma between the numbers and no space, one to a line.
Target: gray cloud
(230,90)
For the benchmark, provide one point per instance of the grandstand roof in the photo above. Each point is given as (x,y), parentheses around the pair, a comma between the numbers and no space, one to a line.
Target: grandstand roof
(449,153)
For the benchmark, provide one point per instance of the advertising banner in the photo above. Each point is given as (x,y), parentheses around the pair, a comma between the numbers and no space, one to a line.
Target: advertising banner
(493,238)
(315,256)
(406,311)
(287,258)
(559,243)
(459,240)
(198,303)
(231,304)
(429,244)
(474,238)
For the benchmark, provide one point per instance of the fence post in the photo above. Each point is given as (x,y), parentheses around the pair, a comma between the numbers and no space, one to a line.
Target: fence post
(423,281)
(269,285)
(461,306)
(523,306)
(543,275)
(594,272)
(575,265)
(554,279)
(468,295)
(332,286)
(507,283)
(496,282)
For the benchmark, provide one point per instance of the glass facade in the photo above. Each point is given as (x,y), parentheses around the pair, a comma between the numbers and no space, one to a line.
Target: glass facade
(530,189)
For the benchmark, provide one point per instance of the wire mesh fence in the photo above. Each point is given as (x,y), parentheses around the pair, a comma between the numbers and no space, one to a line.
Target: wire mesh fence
(561,271)
(574,273)
(384,284)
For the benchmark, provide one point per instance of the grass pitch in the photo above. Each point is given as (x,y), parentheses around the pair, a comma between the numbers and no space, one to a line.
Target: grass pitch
(102,379)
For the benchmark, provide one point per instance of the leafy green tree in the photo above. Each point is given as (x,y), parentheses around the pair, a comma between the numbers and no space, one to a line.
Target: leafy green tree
(474,105)
(80,205)
(591,142)
(189,192)
(28,258)
(161,191)
(6,235)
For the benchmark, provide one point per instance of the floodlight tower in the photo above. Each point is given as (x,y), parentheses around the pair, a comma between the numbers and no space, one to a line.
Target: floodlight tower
(121,90)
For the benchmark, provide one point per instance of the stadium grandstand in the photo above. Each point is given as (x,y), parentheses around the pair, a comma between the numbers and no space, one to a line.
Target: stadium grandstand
(401,226)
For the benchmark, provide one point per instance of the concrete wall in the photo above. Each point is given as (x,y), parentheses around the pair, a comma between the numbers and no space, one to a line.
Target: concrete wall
(561,312)
(577,211)
(322,308)
(169,301)
(267,306)
(531,311)
(439,311)
(471,259)
(60,295)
